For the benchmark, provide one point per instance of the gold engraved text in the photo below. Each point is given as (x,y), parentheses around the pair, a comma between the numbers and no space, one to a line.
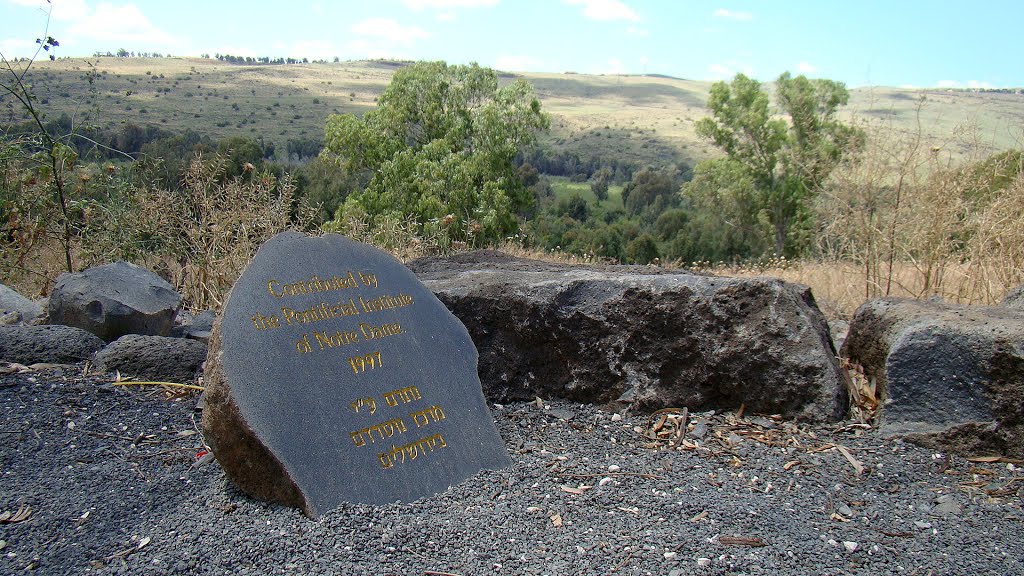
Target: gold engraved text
(369,403)
(410,451)
(405,395)
(384,430)
(426,415)
(369,361)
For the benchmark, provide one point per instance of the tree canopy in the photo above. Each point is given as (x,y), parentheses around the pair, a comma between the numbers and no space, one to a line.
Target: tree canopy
(785,161)
(440,150)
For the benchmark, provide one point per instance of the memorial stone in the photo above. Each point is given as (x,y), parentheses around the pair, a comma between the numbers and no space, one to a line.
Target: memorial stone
(335,376)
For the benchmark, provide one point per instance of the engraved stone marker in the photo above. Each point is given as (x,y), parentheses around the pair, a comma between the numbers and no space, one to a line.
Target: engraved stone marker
(335,376)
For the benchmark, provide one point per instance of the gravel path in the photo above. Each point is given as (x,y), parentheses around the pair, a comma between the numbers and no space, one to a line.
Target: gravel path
(107,482)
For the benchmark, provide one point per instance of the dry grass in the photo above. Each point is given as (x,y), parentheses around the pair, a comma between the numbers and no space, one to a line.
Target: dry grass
(839,287)
(639,118)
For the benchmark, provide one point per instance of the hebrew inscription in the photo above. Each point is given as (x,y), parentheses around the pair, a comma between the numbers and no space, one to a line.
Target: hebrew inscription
(350,374)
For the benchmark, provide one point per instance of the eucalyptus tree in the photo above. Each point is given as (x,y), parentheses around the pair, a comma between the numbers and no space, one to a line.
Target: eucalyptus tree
(440,150)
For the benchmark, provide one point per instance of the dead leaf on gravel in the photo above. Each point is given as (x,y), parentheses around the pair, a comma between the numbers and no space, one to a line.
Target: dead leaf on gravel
(13,367)
(699,517)
(666,427)
(22,514)
(556,520)
(580,490)
(1000,459)
(857,466)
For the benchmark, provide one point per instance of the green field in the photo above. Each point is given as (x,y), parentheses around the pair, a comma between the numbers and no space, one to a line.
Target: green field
(563,189)
(642,119)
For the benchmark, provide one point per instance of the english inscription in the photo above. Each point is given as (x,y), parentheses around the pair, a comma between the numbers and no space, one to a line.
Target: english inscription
(351,375)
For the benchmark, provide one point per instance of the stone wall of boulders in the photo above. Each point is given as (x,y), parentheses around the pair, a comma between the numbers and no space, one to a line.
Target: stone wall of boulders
(624,337)
(119,316)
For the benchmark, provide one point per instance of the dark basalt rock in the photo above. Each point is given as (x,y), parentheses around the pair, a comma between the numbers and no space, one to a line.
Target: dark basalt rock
(950,376)
(49,344)
(16,308)
(153,358)
(113,300)
(1014,298)
(640,337)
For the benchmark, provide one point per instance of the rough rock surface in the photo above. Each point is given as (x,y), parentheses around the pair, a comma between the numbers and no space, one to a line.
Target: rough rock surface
(1015,298)
(950,376)
(153,357)
(113,300)
(25,310)
(196,327)
(47,344)
(641,338)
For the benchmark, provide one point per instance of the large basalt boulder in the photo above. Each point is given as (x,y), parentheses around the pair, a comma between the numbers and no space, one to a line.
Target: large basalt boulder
(153,357)
(641,338)
(950,376)
(51,344)
(17,308)
(113,300)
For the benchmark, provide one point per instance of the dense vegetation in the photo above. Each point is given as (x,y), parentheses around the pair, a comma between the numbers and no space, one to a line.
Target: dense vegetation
(457,156)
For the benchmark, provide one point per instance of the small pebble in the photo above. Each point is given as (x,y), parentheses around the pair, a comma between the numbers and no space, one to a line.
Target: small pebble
(703,562)
(616,417)
(613,468)
(851,546)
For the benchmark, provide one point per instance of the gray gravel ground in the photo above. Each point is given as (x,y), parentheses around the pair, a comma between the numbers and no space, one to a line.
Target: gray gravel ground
(108,479)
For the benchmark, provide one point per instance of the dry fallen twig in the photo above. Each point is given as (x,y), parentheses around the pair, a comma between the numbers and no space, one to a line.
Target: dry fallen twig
(741,541)
(165,384)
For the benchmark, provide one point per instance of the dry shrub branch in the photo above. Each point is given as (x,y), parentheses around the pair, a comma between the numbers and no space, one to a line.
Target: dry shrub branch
(203,236)
(926,219)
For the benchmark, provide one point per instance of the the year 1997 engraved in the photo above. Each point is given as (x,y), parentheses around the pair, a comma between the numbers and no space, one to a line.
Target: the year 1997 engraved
(363,363)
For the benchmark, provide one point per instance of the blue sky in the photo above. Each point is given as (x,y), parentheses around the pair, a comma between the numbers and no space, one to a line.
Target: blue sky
(936,43)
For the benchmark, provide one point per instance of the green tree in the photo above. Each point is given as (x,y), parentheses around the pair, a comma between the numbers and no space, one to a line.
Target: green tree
(599,184)
(787,161)
(650,193)
(642,250)
(440,149)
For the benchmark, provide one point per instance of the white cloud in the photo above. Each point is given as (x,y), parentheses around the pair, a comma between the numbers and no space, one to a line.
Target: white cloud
(314,49)
(362,48)
(17,48)
(446,16)
(389,30)
(605,10)
(969,84)
(59,9)
(124,24)
(638,32)
(726,13)
(613,66)
(517,63)
(727,70)
(447,4)
(806,68)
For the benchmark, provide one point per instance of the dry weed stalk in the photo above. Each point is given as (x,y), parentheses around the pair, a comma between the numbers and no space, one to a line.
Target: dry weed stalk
(202,237)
